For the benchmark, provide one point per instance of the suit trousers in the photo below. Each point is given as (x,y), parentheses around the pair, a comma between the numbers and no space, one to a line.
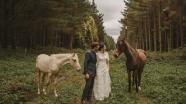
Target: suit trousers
(87,92)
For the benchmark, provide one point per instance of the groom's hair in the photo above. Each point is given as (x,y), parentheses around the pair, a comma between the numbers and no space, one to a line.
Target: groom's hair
(94,44)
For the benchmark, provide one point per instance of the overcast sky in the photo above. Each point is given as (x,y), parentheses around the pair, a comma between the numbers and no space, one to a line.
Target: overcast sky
(112,14)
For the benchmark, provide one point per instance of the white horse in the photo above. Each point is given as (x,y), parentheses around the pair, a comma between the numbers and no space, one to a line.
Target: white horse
(51,66)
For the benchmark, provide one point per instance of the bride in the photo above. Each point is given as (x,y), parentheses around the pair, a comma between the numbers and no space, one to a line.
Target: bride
(102,83)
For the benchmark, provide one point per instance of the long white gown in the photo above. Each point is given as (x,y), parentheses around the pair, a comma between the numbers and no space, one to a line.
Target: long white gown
(102,82)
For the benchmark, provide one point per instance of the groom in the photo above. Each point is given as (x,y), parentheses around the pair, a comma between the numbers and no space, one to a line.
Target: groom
(89,72)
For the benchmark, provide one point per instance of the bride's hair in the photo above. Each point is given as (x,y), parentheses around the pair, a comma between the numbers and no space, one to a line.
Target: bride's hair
(101,46)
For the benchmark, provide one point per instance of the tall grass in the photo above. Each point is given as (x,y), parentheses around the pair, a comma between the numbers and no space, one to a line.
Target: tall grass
(163,80)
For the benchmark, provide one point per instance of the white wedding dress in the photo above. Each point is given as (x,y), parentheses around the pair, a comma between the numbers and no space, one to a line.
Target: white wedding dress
(102,82)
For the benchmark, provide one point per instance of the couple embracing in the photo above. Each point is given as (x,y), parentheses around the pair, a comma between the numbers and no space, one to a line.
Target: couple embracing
(96,71)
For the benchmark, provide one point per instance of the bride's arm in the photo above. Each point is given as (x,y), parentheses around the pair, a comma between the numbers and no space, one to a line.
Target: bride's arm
(108,60)
(97,60)
(108,64)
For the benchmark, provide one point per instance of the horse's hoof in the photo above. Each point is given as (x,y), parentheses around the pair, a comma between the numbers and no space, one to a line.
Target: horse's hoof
(139,88)
(56,95)
(44,91)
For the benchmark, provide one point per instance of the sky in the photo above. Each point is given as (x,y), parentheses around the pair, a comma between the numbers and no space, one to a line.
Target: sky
(112,14)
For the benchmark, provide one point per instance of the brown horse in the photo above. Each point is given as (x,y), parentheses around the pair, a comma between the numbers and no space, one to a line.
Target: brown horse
(135,63)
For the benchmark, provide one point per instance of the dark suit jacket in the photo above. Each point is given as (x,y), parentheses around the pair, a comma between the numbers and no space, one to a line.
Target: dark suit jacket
(90,63)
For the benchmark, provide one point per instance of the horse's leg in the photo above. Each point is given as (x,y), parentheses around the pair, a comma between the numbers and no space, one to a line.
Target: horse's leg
(47,83)
(136,79)
(133,79)
(38,75)
(55,84)
(139,78)
(55,90)
(129,81)
(43,82)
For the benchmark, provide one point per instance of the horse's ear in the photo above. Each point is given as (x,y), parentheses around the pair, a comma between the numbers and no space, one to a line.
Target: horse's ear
(73,54)
(121,42)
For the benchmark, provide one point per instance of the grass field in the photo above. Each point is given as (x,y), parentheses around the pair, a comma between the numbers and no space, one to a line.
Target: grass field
(163,81)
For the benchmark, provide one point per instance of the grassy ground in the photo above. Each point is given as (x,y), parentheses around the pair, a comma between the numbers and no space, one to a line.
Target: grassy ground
(163,81)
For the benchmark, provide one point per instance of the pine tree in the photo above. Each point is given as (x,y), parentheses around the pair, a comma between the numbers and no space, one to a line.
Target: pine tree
(155,25)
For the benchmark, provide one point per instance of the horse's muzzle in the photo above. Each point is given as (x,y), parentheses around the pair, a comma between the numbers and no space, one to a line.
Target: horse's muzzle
(78,69)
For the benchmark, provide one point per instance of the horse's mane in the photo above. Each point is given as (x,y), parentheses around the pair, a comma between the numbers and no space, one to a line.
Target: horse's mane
(131,50)
(63,55)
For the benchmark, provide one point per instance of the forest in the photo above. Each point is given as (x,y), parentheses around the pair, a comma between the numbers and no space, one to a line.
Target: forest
(51,23)
(29,28)
(155,25)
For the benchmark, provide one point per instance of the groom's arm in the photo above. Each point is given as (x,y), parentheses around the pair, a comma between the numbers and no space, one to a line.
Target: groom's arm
(87,57)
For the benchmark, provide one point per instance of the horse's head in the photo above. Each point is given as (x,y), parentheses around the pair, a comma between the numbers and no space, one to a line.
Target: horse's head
(121,46)
(74,61)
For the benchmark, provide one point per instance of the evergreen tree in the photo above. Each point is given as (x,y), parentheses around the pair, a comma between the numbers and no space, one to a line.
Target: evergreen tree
(155,25)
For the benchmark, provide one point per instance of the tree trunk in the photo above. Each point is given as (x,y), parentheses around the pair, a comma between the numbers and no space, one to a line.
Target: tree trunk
(159,29)
(4,26)
(146,34)
(71,41)
(149,34)
(13,39)
(177,36)
(170,39)
(1,21)
(155,30)
(181,31)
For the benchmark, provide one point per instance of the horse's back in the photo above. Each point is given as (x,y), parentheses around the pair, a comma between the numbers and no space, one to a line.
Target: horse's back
(141,50)
(61,55)
(142,55)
